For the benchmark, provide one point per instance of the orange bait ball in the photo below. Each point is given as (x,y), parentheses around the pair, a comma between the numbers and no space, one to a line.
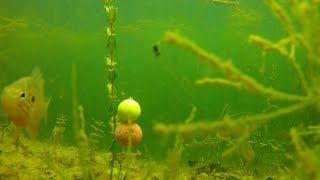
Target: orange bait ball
(122,134)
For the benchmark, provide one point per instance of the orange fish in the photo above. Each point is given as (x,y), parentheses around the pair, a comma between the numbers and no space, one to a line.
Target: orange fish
(24,102)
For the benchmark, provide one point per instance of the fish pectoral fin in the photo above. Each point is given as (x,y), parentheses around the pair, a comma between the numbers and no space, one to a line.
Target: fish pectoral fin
(46,111)
(33,130)
(16,134)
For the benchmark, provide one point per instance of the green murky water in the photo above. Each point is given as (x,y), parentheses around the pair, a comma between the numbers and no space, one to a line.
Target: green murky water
(53,35)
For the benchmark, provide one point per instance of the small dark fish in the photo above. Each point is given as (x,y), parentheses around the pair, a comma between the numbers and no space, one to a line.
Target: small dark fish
(156,50)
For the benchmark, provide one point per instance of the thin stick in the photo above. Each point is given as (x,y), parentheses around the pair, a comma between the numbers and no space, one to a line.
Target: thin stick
(225,2)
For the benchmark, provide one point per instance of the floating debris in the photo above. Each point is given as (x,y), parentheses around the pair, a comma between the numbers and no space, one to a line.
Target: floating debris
(226,2)
(156,49)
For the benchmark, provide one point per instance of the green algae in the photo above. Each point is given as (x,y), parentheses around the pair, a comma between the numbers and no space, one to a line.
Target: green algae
(241,156)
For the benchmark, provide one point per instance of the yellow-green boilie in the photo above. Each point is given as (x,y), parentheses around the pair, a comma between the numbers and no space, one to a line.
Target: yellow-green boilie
(128,113)
(129,110)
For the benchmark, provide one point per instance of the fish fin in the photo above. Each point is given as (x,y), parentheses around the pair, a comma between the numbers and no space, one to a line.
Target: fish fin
(46,111)
(33,130)
(16,133)
(36,76)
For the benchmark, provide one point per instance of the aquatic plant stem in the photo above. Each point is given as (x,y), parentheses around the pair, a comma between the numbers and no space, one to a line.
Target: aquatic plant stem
(79,128)
(228,125)
(75,118)
(129,149)
(174,156)
(229,70)
(111,63)
(301,32)
(280,46)
(283,16)
(306,156)
(76,124)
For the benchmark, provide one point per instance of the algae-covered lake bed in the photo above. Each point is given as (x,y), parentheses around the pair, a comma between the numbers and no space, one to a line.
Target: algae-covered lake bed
(173,89)
(47,160)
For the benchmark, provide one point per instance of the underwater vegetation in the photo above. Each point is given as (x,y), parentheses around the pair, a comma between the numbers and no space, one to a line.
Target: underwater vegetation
(301,30)
(236,153)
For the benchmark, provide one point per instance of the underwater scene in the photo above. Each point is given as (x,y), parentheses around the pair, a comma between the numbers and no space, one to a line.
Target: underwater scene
(160,90)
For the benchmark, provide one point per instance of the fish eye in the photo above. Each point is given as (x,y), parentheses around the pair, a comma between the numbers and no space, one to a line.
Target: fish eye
(22,95)
(33,99)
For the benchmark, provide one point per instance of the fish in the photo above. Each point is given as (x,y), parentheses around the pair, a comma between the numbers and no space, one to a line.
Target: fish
(156,49)
(24,102)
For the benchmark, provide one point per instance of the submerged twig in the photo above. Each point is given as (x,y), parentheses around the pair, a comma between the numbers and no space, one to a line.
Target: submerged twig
(308,17)
(226,2)
(228,125)
(231,72)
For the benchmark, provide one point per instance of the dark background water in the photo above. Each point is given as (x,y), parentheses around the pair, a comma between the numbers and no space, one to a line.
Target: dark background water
(56,34)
